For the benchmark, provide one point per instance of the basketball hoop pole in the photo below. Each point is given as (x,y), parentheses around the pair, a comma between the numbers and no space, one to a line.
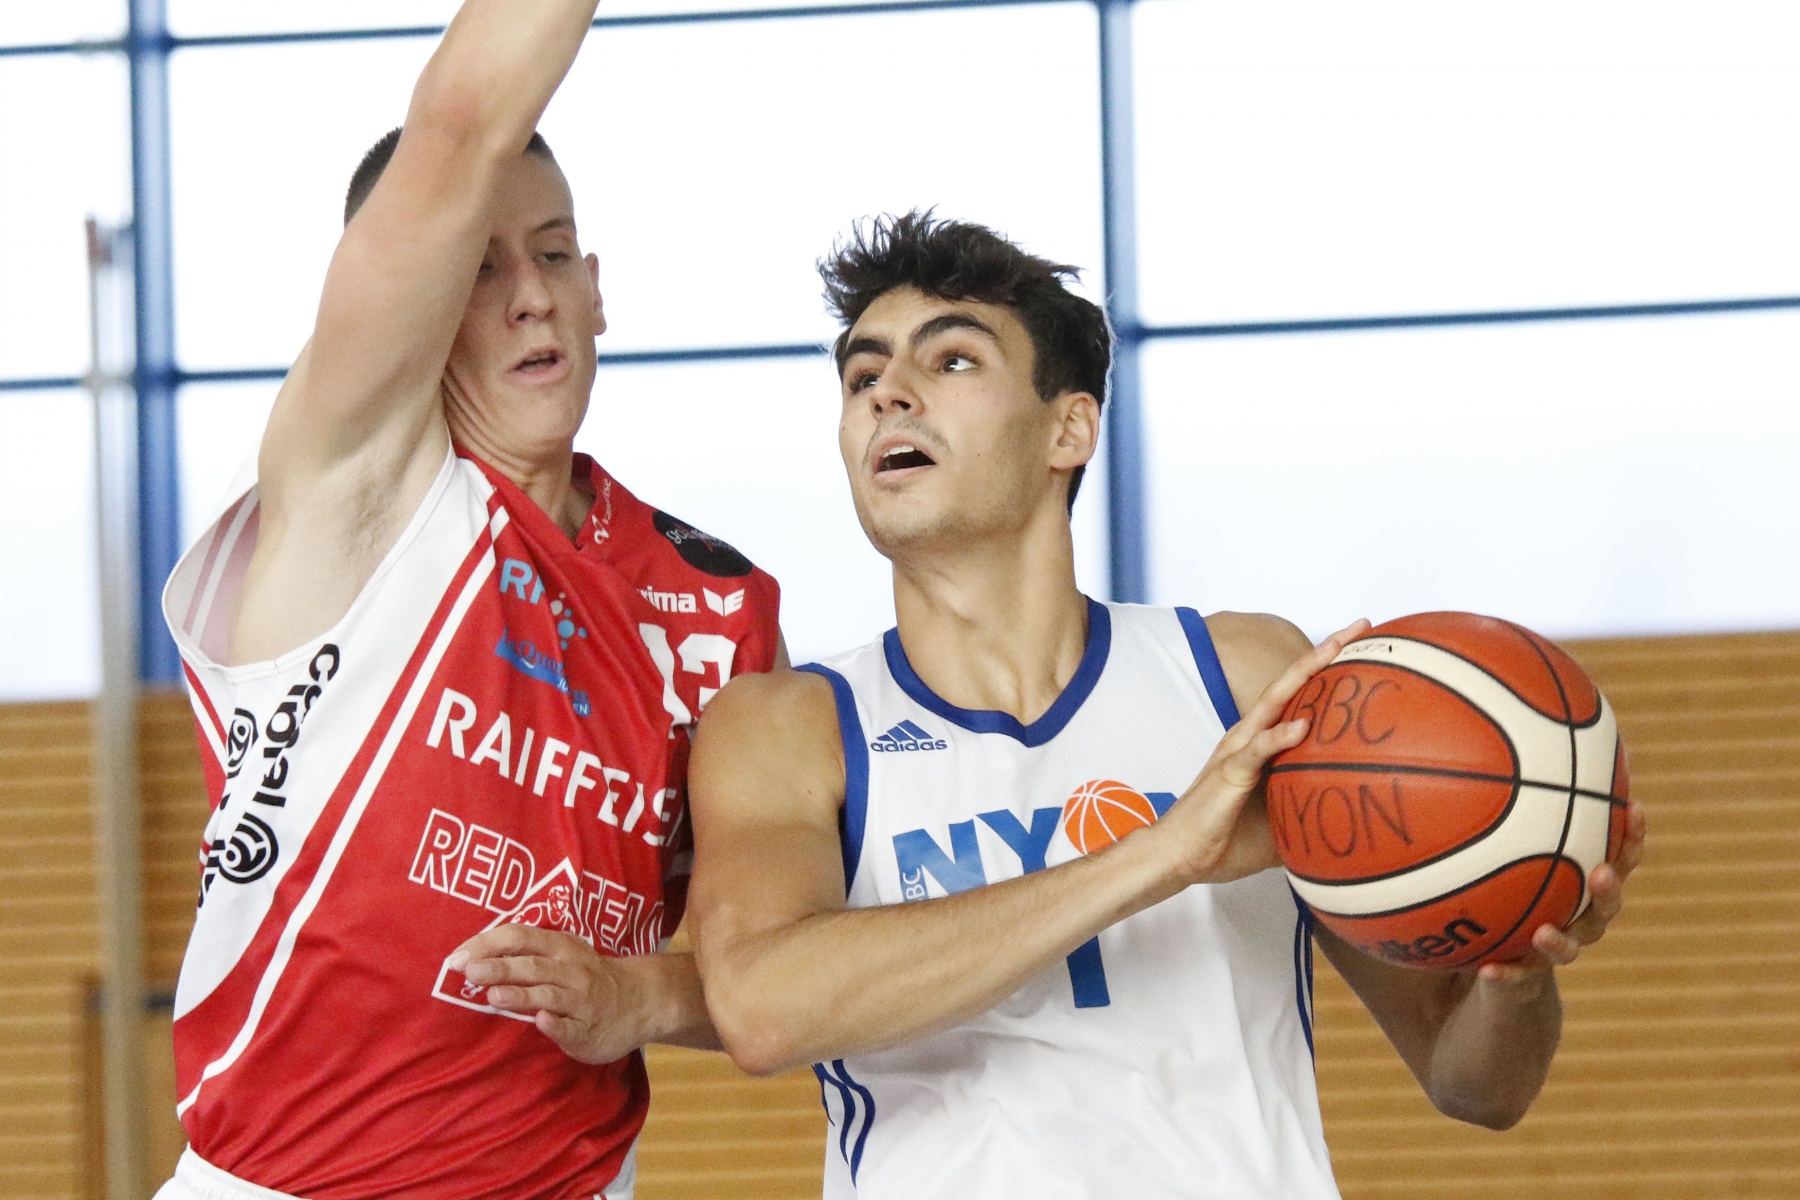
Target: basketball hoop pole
(118,810)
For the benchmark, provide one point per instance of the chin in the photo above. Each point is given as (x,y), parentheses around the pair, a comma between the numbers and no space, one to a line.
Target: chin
(898,534)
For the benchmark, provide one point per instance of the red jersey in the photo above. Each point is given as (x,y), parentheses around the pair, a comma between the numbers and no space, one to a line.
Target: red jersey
(497,730)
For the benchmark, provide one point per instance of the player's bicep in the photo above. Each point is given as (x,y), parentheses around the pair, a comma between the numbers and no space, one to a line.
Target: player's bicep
(765,787)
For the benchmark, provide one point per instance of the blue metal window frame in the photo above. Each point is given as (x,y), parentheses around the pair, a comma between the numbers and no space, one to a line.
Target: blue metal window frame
(147,43)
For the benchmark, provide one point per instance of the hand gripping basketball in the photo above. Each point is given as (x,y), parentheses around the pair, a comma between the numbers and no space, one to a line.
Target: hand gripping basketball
(1552,947)
(1220,838)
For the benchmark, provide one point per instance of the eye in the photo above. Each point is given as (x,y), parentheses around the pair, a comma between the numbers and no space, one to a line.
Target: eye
(957,362)
(556,256)
(486,269)
(863,380)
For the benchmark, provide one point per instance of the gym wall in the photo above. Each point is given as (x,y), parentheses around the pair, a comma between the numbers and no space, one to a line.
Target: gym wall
(1678,1077)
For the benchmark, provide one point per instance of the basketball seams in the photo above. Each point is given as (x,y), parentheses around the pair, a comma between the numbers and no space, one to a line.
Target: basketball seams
(1542,646)
(1440,897)
(1369,768)
(1493,697)
(1530,839)
(1581,901)
(1502,845)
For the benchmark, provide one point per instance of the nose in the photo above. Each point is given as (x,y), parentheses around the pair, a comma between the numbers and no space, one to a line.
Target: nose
(531,299)
(891,392)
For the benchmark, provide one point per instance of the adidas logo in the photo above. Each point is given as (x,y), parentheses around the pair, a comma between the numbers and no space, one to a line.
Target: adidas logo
(906,736)
(724,605)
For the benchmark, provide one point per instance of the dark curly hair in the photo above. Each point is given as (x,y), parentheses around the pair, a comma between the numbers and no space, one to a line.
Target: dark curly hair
(960,260)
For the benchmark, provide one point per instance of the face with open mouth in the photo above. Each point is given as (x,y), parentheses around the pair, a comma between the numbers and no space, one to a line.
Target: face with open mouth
(942,432)
(522,366)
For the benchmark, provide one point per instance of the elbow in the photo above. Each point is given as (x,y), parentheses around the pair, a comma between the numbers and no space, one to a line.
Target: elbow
(1488,1109)
(756,1041)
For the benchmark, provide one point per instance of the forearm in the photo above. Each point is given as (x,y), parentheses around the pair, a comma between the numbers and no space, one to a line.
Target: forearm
(497,66)
(1493,1050)
(673,1005)
(853,981)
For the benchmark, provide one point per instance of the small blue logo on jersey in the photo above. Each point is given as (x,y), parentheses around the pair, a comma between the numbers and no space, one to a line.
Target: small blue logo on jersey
(904,737)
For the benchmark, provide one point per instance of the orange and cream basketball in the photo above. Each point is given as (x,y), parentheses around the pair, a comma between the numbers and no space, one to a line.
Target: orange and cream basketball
(1460,779)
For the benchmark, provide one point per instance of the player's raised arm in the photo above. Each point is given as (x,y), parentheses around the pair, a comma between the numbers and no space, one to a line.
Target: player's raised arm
(394,295)
(357,431)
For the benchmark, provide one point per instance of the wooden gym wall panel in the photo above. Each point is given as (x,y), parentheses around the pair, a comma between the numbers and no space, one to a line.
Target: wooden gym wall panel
(1678,1077)
(49,935)
(48,944)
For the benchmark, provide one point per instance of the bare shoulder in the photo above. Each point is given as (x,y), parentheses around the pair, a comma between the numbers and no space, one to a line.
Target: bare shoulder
(1253,649)
(769,738)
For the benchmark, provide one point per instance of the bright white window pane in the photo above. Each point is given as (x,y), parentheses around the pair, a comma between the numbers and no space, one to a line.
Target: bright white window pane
(1302,158)
(1582,478)
(72,162)
(748,452)
(714,164)
(219,426)
(711,164)
(262,144)
(195,18)
(50,604)
(23,23)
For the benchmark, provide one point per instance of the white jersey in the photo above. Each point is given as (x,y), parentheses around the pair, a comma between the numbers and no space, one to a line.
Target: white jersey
(1172,1055)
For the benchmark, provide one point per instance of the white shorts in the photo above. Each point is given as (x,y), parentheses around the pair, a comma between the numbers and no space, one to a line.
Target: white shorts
(197,1179)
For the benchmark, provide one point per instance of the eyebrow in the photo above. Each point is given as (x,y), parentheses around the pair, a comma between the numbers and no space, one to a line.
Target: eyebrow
(868,345)
(562,222)
(924,333)
(947,322)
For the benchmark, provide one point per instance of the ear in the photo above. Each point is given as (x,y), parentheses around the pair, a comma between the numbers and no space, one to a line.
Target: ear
(1076,432)
(593,266)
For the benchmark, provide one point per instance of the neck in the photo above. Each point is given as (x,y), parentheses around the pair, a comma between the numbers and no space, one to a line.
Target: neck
(995,624)
(547,479)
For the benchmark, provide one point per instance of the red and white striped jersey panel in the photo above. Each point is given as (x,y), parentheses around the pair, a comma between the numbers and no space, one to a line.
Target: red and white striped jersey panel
(497,730)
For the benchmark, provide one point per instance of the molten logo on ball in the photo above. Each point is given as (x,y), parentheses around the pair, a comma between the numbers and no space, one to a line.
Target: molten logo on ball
(1460,779)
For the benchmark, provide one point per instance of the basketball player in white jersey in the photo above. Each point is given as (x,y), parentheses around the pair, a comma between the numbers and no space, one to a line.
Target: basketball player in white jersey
(885,885)
(445,672)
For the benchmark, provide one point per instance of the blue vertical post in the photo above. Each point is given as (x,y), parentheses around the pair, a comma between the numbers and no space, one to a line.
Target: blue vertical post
(1124,422)
(159,497)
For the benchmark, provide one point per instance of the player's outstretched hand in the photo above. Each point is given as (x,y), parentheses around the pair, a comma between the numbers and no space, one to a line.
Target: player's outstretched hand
(588,1004)
(1221,837)
(1552,947)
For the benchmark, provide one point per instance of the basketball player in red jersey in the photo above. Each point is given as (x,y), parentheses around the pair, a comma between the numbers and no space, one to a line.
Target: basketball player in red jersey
(896,907)
(445,672)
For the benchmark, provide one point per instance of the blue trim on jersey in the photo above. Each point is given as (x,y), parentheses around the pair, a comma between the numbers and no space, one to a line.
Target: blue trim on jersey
(1206,657)
(1303,969)
(1040,731)
(862,1135)
(856,769)
(1087,976)
(848,1089)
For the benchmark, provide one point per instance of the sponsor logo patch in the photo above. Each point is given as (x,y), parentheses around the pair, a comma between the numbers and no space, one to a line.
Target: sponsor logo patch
(907,737)
(702,551)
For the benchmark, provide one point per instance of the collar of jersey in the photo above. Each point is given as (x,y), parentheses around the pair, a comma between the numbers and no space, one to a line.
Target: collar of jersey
(986,720)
